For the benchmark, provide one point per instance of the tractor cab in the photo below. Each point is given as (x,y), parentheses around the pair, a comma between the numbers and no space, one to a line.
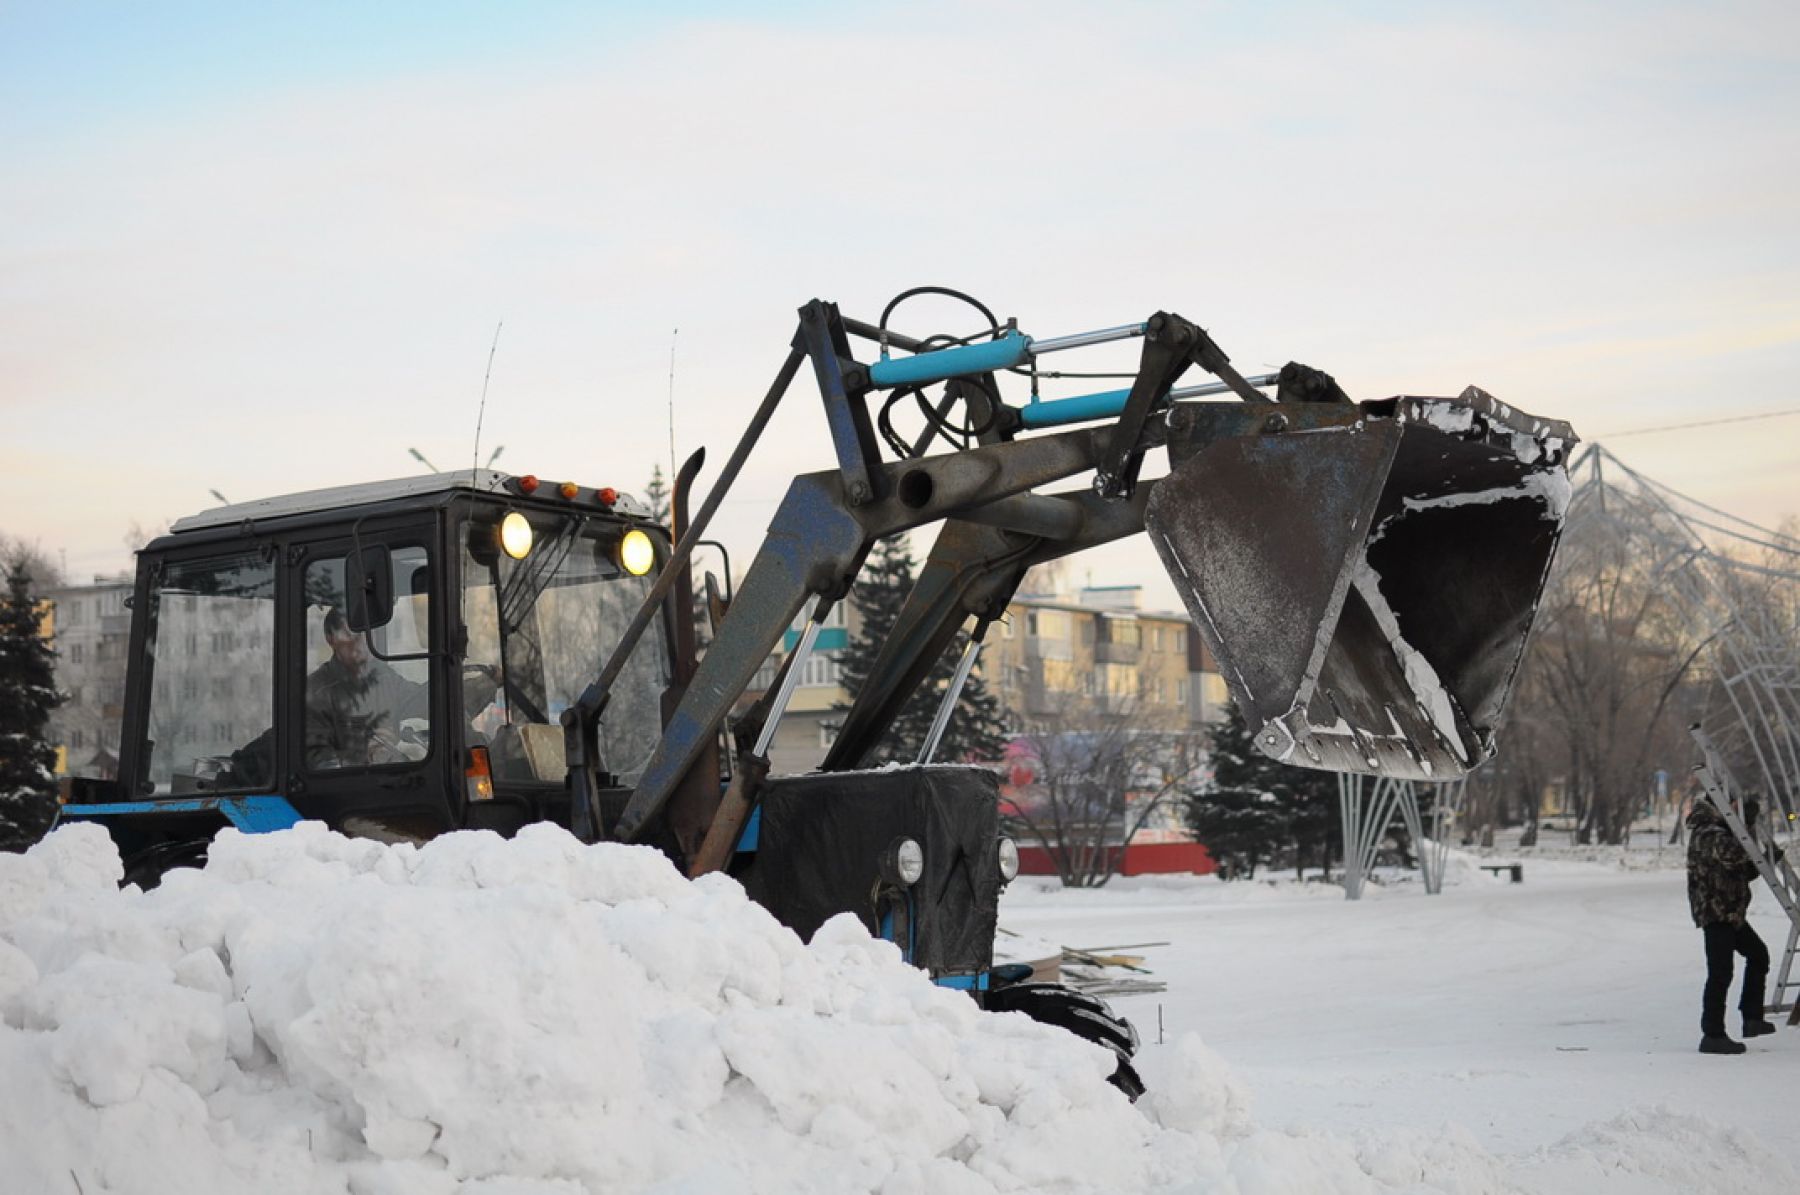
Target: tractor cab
(391,659)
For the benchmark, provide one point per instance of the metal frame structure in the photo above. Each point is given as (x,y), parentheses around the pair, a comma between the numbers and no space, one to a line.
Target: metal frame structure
(1704,556)
(1447,808)
(1365,822)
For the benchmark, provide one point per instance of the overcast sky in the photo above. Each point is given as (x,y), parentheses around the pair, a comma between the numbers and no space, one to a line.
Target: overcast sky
(264,253)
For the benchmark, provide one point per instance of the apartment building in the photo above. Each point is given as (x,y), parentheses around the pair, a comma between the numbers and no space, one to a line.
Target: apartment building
(1051,654)
(806,729)
(92,628)
(1098,650)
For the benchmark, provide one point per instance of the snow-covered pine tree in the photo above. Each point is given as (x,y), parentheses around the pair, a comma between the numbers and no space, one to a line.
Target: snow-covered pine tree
(656,495)
(1237,813)
(27,695)
(977,729)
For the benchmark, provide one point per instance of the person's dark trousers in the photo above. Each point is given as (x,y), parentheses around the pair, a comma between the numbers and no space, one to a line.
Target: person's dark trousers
(1723,940)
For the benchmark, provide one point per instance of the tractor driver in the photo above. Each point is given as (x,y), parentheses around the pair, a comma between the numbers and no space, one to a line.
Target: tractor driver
(359,711)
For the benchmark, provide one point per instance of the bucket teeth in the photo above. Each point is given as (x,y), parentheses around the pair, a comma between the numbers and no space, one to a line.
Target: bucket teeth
(1368,585)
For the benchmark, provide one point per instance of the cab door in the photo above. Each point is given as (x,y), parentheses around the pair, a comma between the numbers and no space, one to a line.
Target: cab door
(373,747)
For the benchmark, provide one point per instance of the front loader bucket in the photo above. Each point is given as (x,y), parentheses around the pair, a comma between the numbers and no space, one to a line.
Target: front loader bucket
(1367,576)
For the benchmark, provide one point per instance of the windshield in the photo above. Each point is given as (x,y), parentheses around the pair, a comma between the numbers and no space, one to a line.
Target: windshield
(543,627)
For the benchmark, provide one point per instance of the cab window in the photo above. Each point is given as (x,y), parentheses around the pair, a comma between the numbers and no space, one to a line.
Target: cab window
(212,676)
(368,691)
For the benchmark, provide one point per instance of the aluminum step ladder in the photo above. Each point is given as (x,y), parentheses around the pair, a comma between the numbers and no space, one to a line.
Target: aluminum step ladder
(1717,786)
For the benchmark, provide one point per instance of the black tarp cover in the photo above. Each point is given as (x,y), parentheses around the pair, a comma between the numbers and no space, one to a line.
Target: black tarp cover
(820,846)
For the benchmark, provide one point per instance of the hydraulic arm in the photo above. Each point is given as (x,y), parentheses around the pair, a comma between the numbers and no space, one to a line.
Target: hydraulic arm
(1366,574)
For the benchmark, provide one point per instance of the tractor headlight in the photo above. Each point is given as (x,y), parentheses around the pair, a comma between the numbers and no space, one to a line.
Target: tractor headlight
(1009,860)
(637,552)
(903,862)
(515,535)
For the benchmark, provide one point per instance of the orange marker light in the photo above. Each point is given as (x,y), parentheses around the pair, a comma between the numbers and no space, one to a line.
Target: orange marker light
(606,495)
(479,775)
(568,489)
(528,484)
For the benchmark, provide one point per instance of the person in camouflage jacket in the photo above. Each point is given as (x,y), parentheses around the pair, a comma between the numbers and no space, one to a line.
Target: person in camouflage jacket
(1719,873)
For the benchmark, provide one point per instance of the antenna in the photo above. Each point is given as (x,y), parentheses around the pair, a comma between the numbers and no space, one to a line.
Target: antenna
(481,411)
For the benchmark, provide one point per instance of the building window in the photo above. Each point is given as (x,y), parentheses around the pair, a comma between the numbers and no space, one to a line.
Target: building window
(822,670)
(1054,632)
(1180,639)
(1122,631)
(75,653)
(1118,681)
(1059,676)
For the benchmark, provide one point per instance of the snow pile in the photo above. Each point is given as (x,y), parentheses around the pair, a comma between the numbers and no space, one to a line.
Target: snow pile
(1659,1149)
(536,1017)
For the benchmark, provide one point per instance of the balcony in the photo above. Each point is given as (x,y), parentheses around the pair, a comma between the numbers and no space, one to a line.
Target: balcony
(1117,653)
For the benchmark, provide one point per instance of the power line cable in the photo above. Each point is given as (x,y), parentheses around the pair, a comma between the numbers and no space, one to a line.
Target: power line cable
(1676,427)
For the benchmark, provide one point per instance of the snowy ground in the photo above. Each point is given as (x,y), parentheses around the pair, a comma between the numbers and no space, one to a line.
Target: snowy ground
(534,1017)
(1542,1018)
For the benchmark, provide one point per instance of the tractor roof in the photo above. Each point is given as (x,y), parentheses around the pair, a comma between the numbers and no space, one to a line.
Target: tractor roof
(344,497)
(341,497)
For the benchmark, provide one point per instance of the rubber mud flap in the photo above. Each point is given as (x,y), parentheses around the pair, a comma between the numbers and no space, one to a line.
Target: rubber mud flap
(1368,588)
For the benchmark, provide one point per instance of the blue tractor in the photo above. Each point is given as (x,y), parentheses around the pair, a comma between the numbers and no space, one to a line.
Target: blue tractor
(476,650)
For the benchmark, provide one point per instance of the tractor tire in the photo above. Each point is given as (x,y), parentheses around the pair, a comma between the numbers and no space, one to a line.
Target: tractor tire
(1087,1017)
(147,868)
